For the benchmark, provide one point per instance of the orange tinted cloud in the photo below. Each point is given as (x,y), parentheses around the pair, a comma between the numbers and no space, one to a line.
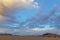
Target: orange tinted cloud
(7,3)
(10,4)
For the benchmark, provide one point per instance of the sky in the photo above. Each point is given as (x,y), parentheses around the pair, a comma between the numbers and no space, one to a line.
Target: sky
(30,17)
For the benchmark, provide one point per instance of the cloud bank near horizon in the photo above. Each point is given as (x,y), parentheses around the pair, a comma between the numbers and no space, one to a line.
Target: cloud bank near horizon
(30,31)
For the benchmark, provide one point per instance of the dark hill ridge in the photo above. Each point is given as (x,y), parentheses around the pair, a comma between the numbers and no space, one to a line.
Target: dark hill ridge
(6,35)
(50,35)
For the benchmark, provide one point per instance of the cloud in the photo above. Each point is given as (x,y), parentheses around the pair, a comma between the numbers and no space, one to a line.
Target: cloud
(8,7)
(19,3)
(4,30)
(1,18)
(37,29)
(9,30)
(30,31)
(40,31)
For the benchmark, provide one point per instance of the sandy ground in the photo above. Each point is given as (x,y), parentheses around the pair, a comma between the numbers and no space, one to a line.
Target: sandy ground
(27,38)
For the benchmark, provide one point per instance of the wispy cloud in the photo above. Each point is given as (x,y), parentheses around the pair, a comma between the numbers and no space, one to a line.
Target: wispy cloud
(31,31)
(5,30)
(44,28)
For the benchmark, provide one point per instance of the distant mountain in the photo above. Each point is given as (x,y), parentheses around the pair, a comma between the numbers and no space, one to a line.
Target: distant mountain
(50,35)
(6,35)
